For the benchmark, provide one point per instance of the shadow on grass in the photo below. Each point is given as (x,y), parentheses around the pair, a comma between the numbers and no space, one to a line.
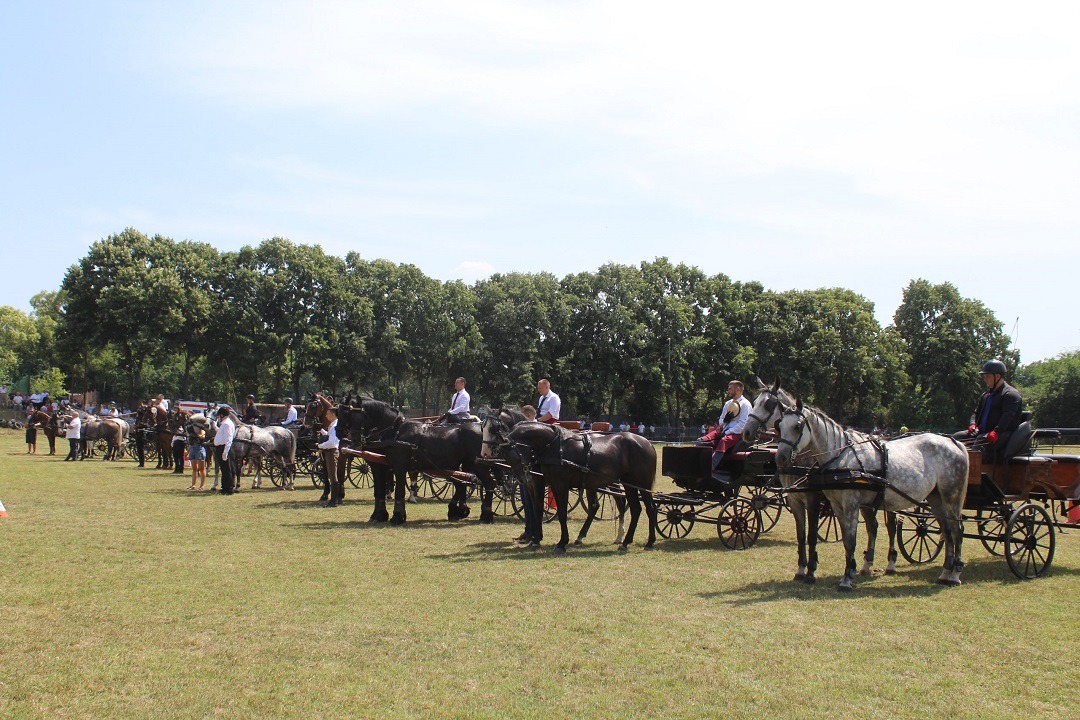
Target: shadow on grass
(363,524)
(509,550)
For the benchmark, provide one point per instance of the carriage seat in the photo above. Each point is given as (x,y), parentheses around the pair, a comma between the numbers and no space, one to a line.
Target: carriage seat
(601,426)
(1019,442)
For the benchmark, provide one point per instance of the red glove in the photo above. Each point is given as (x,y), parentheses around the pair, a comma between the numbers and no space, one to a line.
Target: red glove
(991,437)
(973,429)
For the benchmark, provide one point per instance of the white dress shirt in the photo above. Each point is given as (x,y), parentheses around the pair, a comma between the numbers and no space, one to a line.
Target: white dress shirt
(74,429)
(331,442)
(226,431)
(290,417)
(460,403)
(549,403)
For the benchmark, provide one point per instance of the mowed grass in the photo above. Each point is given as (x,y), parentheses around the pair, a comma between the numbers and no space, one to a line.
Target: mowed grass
(124,596)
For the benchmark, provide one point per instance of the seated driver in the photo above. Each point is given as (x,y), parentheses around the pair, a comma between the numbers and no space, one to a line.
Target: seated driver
(728,433)
(998,413)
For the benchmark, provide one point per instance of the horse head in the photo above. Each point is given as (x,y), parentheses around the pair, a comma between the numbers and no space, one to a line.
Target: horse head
(769,406)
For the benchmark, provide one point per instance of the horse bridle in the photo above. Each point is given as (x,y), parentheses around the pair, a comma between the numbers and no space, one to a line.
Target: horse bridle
(781,441)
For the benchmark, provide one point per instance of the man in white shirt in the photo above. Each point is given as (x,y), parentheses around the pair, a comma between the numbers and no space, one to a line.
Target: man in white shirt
(549,405)
(329,449)
(460,404)
(290,413)
(223,441)
(73,435)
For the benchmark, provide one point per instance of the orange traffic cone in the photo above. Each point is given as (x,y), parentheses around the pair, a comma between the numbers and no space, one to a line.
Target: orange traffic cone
(3,510)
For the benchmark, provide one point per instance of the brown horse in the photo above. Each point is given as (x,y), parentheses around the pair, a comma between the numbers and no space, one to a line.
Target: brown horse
(160,435)
(49,424)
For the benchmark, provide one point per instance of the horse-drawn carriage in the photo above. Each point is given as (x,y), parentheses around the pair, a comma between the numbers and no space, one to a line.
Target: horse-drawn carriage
(739,520)
(1014,507)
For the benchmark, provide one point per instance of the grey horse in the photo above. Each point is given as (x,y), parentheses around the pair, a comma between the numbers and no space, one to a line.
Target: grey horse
(915,468)
(253,443)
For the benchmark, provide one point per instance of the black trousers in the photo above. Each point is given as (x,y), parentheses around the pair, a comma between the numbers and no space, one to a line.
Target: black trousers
(73,453)
(226,470)
(140,446)
(178,455)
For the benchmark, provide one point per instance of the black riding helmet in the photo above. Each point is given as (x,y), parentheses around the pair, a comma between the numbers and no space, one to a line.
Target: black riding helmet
(993,367)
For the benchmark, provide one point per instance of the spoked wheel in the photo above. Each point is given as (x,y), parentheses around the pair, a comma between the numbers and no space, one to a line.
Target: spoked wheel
(1029,542)
(828,527)
(515,499)
(992,532)
(551,510)
(769,503)
(739,524)
(675,521)
(358,472)
(303,464)
(150,452)
(503,496)
(274,470)
(101,446)
(440,488)
(316,471)
(922,542)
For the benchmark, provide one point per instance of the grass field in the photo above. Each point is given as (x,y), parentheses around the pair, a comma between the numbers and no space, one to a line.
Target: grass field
(124,596)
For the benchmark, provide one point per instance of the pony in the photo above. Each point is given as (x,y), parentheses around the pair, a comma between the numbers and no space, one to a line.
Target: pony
(566,459)
(412,445)
(497,421)
(909,471)
(252,443)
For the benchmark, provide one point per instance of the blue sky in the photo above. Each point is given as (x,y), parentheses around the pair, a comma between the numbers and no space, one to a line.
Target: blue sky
(800,145)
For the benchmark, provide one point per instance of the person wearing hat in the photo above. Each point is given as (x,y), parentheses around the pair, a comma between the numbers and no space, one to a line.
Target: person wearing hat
(251,411)
(290,413)
(223,441)
(997,414)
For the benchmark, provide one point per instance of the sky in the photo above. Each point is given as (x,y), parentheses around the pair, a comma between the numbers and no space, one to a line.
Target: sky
(799,145)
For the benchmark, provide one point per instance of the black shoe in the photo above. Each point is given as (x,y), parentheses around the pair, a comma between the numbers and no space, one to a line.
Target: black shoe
(522,538)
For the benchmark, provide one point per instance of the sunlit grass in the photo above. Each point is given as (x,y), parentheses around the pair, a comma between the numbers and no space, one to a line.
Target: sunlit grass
(125,596)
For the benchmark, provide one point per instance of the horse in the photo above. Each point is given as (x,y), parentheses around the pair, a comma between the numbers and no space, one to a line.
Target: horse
(566,459)
(805,504)
(253,443)
(50,425)
(498,420)
(177,425)
(156,419)
(114,431)
(912,469)
(410,446)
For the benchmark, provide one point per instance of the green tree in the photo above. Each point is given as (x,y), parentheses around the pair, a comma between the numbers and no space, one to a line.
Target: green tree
(19,336)
(947,338)
(1051,389)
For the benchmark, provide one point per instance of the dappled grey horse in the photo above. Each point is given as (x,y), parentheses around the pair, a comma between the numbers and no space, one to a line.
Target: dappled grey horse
(915,468)
(253,443)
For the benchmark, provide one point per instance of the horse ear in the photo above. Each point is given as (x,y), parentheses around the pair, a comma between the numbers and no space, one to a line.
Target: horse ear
(798,404)
(760,385)
(776,385)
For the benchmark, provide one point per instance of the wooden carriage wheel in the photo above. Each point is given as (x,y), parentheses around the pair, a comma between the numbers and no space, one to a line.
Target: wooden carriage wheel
(675,521)
(739,524)
(922,541)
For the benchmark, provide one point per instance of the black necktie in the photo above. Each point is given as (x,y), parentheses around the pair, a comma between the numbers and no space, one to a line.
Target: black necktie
(540,405)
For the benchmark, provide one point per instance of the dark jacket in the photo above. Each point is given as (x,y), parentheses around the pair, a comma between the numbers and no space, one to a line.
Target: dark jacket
(1005,408)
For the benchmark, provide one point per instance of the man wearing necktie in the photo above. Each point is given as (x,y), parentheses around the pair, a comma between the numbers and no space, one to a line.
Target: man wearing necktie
(547,409)
(459,411)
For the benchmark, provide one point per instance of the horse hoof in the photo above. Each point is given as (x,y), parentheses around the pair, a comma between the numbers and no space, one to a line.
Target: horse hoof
(487,517)
(890,571)
(398,519)
(951,582)
(558,549)
(867,572)
(799,577)
(622,548)
(578,541)
(649,546)
(845,587)
(378,517)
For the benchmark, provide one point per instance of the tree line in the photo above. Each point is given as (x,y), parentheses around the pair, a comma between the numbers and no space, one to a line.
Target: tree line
(656,342)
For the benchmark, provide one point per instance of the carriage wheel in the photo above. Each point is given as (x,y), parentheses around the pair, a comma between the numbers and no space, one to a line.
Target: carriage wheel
(675,521)
(149,452)
(923,542)
(515,499)
(992,532)
(359,473)
(828,527)
(1029,542)
(505,492)
(769,503)
(440,488)
(274,470)
(303,465)
(738,524)
(316,472)
(574,500)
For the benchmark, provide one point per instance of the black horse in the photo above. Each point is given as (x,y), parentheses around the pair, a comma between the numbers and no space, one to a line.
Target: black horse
(414,446)
(498,421)
(567,459)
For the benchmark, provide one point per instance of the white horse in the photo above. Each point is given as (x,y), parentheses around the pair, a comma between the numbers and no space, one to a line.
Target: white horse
(914,469)
(253,443)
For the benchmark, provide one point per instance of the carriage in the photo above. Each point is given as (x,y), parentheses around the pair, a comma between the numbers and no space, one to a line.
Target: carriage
(1014,508)
(740,517)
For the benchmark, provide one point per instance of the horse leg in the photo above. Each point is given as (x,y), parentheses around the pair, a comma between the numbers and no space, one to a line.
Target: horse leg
(487,495)
(398,518)
(380,475)
(848,515)
(953,535)
(634,501)
(620,520)
(458,508)
(871,541)
(592,506)
(414,488)
(799,511)
(562,499)
(650,515)
(812,508)
(890,525)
